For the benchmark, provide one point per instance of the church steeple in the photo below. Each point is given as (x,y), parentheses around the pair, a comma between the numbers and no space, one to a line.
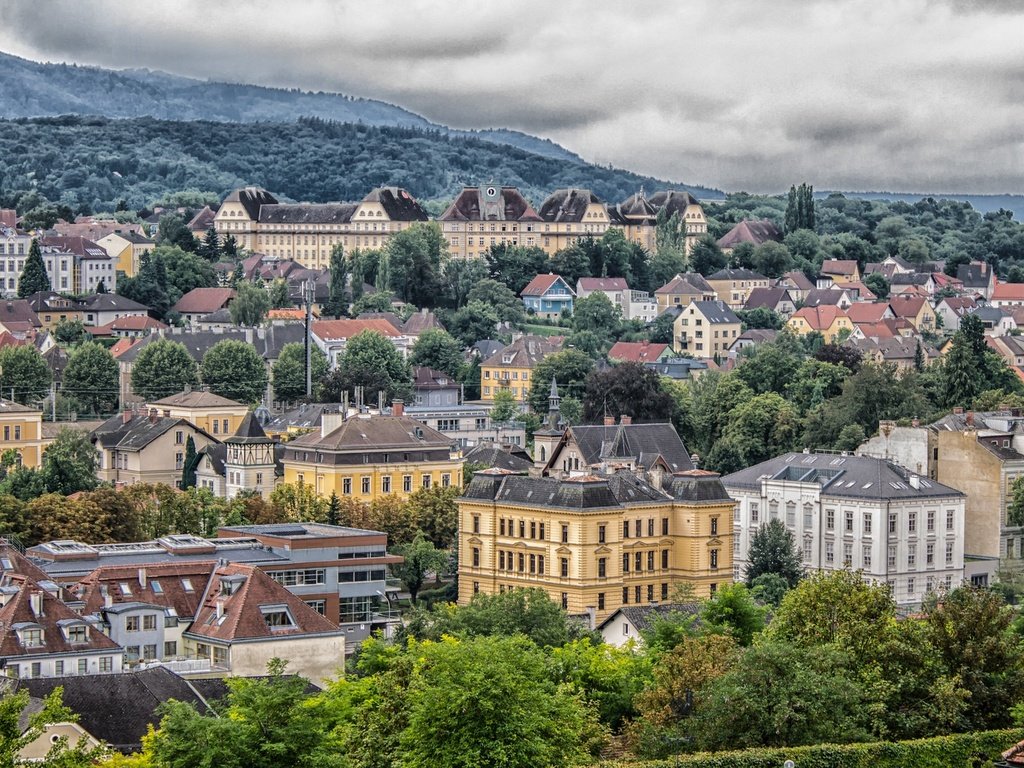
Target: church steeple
(547,439)
(554,406)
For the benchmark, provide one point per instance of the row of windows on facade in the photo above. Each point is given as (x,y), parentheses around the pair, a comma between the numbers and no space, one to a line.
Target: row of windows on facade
(385,483)
(638,592)
(523,563)
(318,576)
(455,425)
(848,518)
(60,667)
(507,527)
(514,375)
(8,431)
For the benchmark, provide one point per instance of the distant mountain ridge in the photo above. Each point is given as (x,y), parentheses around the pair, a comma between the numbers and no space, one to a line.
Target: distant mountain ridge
(981,203)
(35,89)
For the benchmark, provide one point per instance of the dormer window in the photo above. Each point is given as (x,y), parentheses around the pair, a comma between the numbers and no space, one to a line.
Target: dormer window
(31,638)
(78,633)
(277,617)
(126,588)
(187,585)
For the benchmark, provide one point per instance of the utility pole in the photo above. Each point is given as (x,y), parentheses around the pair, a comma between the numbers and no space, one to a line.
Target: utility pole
(308,291)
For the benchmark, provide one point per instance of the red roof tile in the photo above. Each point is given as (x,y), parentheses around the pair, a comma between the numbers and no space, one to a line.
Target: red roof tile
(540,284)
(346,329)
(1008,292)
(204,300)
(636,351)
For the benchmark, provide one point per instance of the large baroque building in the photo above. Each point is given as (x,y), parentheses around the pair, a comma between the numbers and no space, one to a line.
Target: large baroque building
(307,232)
(490,215)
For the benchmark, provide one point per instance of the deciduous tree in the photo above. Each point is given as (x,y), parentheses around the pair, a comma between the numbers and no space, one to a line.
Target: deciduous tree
(235,370)
(92,379)
(163,368)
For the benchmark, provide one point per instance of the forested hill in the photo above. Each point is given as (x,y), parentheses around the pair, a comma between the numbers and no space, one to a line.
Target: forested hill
(35,89)
(94,162)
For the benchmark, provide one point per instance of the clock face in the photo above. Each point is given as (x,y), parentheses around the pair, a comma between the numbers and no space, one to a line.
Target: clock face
(492,192)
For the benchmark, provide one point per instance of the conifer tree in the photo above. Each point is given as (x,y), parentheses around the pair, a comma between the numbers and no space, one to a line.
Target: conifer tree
(188,474)
(33,277)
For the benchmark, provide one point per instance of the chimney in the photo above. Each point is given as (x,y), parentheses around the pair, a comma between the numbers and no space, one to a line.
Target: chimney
(915,423)
(220,607)
(915,482)
(970,418)
(126,417)
(609,421)
(592,617)
(108,600)
(625,420)
(397,407)
(36,601)
(142,577)
(330,421)
(152,415)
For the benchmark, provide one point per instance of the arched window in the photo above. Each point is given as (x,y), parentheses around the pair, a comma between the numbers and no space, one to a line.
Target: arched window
(543,453)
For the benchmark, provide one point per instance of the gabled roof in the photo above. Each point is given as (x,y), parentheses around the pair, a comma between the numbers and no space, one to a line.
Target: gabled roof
(491,454)
(128,323)
(111,302)
(470,206)
(251,199)
(839,267)
(602,284)
(644,443)
(80,246)
(689,283)
(18,613)
(9,406)
(122,345)
(753,232)
(196,398)
(910,278)
(768,298)
(642,617)
(820,318)
(158,584)
(715,312)
(421,321)
(636,351)
(1008,292)
(373,431)
(331,330)
(525,352)
(428,378)
(736,274)
(799,280)
(959,305)
(235,603)
(868,312)
(567,205)
(138,433)
(541,284)
(976,274)
(906,306)
(204,300)
(825,297)
(18,311)
(203,220)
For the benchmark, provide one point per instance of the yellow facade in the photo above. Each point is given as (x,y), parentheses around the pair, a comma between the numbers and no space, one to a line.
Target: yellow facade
(127,253)
(367,482)
(213,414)
(21,430)
(599,559)
(799,325)
(695,334)
(558,235)
(495,378)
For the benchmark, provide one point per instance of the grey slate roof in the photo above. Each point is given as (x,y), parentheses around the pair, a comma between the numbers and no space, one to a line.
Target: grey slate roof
(567,205)
(111,302)
(677,367)
(307,213)
(716,312)
(856,477)
(817,297)
(137,433)
(696,486)
(249,431)
(268,340)
(580,493)
(737,274)
(118,708)
(251,199)
(491,454)
(642,442)
(305,416)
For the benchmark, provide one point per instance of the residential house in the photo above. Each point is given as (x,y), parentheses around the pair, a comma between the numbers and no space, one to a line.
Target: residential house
(778,300)
(751,338)
(548,296)
(856,512)
(629,622)
(595,543)
(40,636)
(733,286)
(615,288)
(901,351)
(141,448)
(858,291)
(797,283)
(246,461)
(512,367)
(569,215)
(891,265)
(978,278)
(828,320)
(1007,295)
(18,319)
(912,283)
(754,232)
(949,310)
(104,308)
(679,368)
(332,336)
(211,413)
(130,327)
(841,270)
(705,329)
(21,431)
(202,301)
(638,352)
(996,321)
(367,456)
(830,297)
(1010,348)
(915,310)
(682,289)
(864,312)
(481,217)
(127,250)
(246,618)
(51,308)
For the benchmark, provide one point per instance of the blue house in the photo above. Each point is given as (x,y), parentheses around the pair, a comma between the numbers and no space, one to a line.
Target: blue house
(548,296)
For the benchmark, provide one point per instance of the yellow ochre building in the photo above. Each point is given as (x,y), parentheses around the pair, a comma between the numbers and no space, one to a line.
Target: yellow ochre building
(21,431)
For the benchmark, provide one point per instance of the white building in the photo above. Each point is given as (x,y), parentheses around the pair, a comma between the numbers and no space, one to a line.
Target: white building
(634,305)
(856,512)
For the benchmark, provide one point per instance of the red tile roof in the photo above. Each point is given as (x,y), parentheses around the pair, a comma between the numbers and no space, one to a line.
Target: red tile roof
(243,593)
(346,329)
(1008,292)
(541,284)
(839,267)
(204,300)
(821,317)
(636,351)
(162,584)
(128,323)
(867,312)
(907,306)
(286,314)
(122,346)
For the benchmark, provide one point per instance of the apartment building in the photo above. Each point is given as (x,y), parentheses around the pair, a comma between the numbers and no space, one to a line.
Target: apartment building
(512,367)
(21,431)
(492,215)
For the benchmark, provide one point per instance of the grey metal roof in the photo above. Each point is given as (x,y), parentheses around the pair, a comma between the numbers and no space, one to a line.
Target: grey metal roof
(643,616)
(492,454)
(641,442)
(859,477)
(582,493)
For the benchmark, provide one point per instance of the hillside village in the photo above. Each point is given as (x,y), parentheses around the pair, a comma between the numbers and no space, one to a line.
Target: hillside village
(251,430)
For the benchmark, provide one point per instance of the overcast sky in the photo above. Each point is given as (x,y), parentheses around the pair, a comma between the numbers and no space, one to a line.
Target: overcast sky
(922,95)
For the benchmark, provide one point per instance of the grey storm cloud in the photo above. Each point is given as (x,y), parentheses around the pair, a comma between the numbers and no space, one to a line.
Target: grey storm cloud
(912,95)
